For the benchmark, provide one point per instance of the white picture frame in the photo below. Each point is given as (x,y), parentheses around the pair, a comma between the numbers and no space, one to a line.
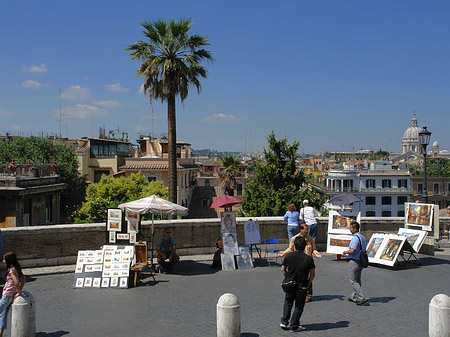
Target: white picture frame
(390,249)
(79,282)
(338,243)
(105,282)
(228,222)
(373,246)
(123,283)
(114,282)
(415,237)
(420,215)
(88,282)
(96,282)
(227,261)
(339,221)
(112,237)
(244,259)
(132,222)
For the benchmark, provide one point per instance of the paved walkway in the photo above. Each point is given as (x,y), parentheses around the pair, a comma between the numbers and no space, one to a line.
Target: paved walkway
(184,304)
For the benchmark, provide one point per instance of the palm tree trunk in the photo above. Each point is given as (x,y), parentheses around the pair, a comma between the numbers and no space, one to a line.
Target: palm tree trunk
(172,144)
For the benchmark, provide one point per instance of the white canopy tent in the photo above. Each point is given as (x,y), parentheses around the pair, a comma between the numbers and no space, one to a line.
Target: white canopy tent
(155,205)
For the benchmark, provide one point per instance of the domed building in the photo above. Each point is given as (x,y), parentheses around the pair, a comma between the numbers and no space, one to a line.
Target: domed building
(410,140)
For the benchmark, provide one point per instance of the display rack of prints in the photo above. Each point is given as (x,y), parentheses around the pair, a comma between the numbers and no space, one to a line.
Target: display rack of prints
(106,268)
(339,221)
(338,243)
(385,248)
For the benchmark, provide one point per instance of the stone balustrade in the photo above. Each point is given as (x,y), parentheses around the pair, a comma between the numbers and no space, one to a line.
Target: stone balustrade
(59,244)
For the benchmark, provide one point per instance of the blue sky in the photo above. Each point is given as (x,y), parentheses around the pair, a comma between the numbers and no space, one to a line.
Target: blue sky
(335,75)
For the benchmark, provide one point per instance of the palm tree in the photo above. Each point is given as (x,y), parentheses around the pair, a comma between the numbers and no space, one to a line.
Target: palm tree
(228,175)
(170,64)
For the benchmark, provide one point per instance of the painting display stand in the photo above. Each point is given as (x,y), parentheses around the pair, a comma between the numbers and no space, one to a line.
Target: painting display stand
(406,254)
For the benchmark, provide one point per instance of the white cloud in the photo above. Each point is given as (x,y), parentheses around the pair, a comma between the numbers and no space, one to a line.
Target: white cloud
(82,111)
(75,92)
(31,84)
(4,112)
(116,87)
(34,68)
(222,118)
(107,104)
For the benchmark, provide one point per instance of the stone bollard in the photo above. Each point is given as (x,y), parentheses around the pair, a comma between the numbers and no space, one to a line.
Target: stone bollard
(439,316)
(23,316)
(228,316)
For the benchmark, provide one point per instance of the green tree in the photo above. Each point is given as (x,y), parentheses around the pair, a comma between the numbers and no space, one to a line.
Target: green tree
(43,151)
(436,167)
(277,183)
(110,192)
(171,64)
(228,175)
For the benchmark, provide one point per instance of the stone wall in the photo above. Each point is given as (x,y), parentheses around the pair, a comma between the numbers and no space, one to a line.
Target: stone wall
(59,244)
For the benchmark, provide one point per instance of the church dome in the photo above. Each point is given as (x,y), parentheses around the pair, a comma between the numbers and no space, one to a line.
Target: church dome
(412,133)
(435,143)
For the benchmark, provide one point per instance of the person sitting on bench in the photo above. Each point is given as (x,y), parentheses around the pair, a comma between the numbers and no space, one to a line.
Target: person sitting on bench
(166,249)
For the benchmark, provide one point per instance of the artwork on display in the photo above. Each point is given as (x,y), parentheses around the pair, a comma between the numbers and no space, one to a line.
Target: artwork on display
(132,237)
(79,283)
(230,244)
(114,281)
(123,282)
(339,221)
(420,215)
(132,221)
(112,237)
(123,236)
(392,247)
(414,237)
(252,235)
(88,282)
(227,261)
(374,245)
(244,259)
(338,243)
(114,220)
(105,282)
(96,282)
(228,222)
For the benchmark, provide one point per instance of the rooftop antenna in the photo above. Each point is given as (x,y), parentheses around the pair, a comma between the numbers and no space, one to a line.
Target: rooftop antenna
(153,123)
(60,114)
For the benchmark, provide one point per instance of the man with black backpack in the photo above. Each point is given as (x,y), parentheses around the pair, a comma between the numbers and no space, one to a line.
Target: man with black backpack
(299,271)
(357,245)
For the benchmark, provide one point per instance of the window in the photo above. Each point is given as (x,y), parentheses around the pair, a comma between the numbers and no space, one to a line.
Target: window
(239,189)
(402,183)
(386,183)
(401,213)
(401,200)
(386,201)
(98,175)
(205,202)
(27,206)
(436,188)
(370,200)
(150,179)
(370,213)
(48,209)
(370,183)
(419,188)
(386,213)
(348,185)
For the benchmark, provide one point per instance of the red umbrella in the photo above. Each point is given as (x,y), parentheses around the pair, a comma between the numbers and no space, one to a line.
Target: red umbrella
(226,201)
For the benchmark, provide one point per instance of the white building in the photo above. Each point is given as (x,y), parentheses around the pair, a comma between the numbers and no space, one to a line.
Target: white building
(383,190)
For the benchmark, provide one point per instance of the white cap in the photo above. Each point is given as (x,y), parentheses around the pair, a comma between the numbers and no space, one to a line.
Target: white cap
(305,202)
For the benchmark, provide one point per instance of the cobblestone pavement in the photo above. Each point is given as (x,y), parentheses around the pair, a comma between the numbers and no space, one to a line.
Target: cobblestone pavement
(184,304)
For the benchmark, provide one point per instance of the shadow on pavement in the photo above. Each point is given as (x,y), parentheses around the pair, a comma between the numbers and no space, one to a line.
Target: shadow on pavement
(189,267)
(52,334)
(432,261)
(381,299)
(326,326)
(328,298)
(249,334)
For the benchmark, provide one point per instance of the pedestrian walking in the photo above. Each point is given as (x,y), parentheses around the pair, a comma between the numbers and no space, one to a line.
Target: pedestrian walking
(299,271)
(357,244)
(292,217)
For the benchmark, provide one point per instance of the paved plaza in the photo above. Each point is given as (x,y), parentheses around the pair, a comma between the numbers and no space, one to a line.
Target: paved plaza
(184,304)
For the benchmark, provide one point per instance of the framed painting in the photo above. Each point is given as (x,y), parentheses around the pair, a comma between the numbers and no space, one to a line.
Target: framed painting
(337,243)
(96,282)
(339,222)
(252,235)
(391,247)
(105,282)
(244,259)
(230,244)
(414,237)
(227,261)
(132,222)
(420,215)
(373,246)
(114,222)
(228,222)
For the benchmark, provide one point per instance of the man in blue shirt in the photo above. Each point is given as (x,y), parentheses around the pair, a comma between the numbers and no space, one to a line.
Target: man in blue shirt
(166,249)
(355,268)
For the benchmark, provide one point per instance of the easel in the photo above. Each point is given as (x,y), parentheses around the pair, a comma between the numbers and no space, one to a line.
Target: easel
(409,251)
(141,262)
